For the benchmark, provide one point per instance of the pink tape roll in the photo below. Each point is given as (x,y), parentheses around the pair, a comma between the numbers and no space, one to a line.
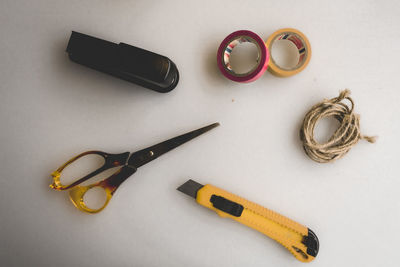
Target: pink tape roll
(226,47)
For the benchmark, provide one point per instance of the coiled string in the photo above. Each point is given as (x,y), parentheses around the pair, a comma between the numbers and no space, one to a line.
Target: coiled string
(344,138)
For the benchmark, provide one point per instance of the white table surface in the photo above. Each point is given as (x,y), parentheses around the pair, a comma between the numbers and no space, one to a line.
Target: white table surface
(52,109)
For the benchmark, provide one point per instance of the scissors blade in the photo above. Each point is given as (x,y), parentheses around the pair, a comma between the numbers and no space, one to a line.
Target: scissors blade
(146,155)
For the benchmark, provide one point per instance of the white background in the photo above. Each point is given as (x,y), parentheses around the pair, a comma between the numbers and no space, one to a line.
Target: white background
(52,109)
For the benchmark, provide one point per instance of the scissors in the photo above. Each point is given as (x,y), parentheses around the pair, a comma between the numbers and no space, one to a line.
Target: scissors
(129,163)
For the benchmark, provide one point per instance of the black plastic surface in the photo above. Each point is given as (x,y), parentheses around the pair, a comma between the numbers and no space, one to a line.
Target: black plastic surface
(311,242)
(127,62)
(226,205)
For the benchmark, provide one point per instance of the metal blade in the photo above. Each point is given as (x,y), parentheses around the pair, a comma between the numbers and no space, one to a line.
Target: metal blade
(146,155)
(190,188)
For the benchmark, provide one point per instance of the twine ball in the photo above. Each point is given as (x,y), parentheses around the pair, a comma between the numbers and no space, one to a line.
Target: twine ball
(343,139)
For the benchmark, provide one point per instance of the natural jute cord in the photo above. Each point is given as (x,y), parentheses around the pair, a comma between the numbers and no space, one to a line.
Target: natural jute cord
(344,138)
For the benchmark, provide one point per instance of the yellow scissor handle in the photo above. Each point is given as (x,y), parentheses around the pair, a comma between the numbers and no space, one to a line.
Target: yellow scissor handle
(110,161)
(77,193)
(109,185)
(298,239)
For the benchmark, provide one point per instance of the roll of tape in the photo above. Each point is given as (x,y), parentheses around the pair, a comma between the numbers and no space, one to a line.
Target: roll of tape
(302,44)
(226,47)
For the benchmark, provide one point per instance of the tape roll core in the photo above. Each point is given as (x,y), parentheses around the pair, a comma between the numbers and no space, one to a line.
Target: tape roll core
(226,47)
(302,44)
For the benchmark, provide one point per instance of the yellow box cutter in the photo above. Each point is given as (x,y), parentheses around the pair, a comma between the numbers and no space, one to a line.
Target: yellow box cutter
(298,239)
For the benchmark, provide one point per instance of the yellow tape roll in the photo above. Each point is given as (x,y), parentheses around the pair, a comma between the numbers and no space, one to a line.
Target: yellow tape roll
(302,44)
